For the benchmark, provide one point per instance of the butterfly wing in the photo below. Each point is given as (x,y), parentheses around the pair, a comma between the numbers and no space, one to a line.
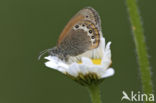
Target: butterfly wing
(81,33)
(88,14)
(75,43)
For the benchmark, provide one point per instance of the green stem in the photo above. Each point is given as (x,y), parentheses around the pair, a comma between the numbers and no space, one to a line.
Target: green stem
(140,47)
(95,93)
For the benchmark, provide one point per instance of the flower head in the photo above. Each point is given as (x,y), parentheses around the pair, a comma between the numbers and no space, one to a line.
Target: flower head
(88,68)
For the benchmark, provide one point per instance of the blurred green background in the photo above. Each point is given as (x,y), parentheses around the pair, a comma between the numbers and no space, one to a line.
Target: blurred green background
(30,26)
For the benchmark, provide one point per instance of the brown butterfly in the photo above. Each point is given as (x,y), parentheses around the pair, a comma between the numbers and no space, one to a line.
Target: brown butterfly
(81,34)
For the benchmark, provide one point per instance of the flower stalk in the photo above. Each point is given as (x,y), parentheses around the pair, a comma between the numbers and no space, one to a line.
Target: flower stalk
(94,91)
(140,46)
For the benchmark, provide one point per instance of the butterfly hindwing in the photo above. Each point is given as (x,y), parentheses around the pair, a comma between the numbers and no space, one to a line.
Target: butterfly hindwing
(81,33)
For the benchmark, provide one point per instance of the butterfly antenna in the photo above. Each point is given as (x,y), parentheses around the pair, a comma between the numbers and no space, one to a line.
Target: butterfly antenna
(42,53)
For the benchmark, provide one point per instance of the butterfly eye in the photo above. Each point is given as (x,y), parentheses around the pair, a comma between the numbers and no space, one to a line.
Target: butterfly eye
(76,26)
(87,16)
(90,31)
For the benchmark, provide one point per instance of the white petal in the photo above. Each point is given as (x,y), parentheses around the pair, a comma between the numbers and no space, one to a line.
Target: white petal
(73,69)
(48,58)
(86,61)
(84,69)
(102,40)
(106,63)
(56,64)
(108,45)
(106,60)
(109,72)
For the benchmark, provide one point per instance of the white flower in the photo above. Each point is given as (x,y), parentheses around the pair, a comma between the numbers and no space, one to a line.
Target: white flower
(94,64)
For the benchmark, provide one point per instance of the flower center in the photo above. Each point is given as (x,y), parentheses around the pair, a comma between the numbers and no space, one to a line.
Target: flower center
(94,61)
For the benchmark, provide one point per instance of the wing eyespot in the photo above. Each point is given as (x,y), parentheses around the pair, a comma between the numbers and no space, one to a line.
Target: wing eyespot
(90,31)
(76,26)
(92,37)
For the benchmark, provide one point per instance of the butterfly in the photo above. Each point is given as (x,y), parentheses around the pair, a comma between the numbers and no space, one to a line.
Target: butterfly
(81,34)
